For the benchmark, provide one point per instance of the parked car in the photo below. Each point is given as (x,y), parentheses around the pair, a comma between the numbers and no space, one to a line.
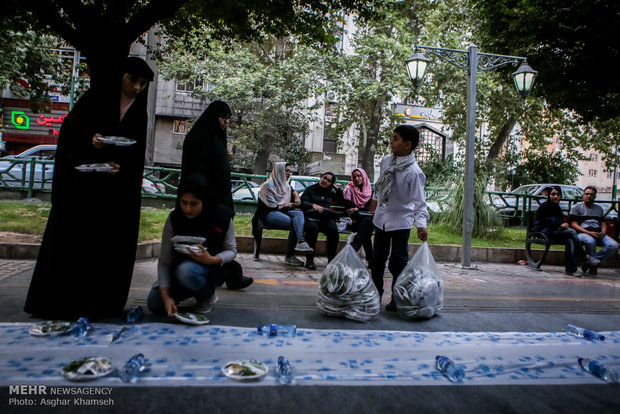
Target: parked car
(508,205)
(300,182)
(12,166)
(241,191)
(151,187)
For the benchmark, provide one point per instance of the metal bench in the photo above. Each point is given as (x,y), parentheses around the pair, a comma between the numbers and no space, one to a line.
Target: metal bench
(534,237)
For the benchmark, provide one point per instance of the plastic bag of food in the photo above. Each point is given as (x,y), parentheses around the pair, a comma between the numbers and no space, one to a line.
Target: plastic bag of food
(346,288)
(418,292)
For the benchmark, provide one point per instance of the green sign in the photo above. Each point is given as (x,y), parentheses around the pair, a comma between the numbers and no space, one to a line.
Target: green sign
(20,120)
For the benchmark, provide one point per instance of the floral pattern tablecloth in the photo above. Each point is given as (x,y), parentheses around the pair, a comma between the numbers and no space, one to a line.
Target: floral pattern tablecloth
(193,355)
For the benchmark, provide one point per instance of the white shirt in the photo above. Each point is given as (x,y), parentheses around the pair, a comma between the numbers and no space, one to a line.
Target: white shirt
(407,205)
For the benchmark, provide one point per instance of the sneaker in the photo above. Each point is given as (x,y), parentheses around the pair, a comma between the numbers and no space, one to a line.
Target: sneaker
(310,264)
(592,261)
(239,283)
(293,261)
(574,273)
(205,305)
(391,307)
(303,247)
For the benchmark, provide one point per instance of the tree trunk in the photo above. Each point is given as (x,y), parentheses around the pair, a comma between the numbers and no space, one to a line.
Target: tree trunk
(503,135)
(368,156)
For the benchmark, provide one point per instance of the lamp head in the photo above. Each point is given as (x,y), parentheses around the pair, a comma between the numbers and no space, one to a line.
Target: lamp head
(416,67)
(524,79)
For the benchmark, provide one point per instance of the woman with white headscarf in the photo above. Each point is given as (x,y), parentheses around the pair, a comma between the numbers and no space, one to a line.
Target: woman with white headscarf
(276,205)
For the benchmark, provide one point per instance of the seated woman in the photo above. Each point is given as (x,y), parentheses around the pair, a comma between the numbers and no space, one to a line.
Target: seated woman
(194,273)
(276,200)
(316,202)
(550,221)
(357,197)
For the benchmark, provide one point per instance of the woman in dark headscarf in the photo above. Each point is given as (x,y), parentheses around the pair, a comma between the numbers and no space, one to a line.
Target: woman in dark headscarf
(205,153)
(196,271)
(88,251)
(317,202)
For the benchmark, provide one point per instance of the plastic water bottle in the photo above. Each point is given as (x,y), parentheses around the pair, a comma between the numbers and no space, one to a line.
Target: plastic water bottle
(584,333)
(278,330)
(131,370)
(285,371)
(80,328)
(134,314)
(446,367)
(599,370)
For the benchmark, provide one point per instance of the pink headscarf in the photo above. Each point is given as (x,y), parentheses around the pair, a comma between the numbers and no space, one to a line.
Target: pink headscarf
(353,193)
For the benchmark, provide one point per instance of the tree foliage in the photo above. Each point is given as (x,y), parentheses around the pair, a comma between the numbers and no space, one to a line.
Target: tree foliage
(572,43)
(268,84)
(104,30)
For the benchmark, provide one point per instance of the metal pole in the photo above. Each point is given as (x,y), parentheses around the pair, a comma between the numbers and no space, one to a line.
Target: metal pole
(76,61)
(468,184)
(614,188)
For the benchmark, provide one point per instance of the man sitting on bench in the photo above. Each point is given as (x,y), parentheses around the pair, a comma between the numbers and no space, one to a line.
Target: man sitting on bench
(588,220)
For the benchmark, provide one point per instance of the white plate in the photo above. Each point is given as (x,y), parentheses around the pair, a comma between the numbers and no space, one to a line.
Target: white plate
(188,239)
(245,370)
(183,248)
(50,328)
(87,369)
(191,318)
(118,141)
(103,167)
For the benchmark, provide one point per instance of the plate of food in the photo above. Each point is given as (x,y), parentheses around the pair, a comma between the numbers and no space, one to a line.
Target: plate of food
(188,240)
(50,328)
(185,248)
(118,141)
(245,370)
(191,318)
(101,167)
(87,369)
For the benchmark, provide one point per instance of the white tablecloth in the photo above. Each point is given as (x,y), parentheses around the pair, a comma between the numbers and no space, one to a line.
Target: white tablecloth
(194,355)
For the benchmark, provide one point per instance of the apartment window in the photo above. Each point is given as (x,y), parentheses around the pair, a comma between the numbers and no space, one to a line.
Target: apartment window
(593,157)
(610,175)
(591,173)
(180,126)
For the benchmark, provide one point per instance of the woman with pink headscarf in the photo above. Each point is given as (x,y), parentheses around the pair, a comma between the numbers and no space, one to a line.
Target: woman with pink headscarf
(357,197)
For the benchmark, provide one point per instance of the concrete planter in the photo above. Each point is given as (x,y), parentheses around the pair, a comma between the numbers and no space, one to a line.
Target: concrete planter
(272,245)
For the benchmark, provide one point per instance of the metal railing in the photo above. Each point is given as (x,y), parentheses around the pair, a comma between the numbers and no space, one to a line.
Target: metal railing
(33,175)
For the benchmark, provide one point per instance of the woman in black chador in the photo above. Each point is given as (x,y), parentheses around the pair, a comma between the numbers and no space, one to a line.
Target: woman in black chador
(88,251)
(205,153)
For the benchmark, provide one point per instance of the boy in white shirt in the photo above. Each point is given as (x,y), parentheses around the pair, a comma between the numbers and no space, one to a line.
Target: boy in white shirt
(399,203)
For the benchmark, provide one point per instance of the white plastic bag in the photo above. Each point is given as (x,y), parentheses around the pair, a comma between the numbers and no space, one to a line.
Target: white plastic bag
(418,292)
(346,288)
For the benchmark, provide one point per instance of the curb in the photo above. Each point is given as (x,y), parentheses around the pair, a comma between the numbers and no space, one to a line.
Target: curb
(272,245)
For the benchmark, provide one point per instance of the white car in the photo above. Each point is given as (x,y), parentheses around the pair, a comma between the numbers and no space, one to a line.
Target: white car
(241,191)
(12,169)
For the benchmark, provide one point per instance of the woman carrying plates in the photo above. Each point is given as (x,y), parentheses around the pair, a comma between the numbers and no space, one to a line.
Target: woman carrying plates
(86,260)
(182,275)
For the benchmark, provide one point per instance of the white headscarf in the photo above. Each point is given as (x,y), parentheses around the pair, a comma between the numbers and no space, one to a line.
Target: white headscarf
(276,191)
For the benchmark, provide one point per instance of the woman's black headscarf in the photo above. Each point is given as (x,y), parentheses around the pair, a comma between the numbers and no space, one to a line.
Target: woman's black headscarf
(200,225)
(205,153)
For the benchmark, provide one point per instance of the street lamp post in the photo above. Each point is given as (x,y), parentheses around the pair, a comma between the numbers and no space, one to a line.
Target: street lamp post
(471,61)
